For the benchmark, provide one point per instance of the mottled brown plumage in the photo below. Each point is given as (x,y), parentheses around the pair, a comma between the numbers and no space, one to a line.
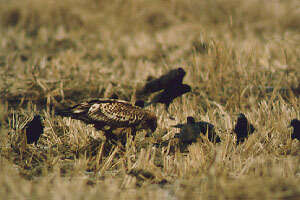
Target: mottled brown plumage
(113,113)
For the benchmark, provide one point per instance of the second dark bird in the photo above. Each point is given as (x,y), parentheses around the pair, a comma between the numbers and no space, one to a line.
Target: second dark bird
(34,129)
(191,131)
(167,96)
(295,123)
(171,86)
(173,77)
(243,128)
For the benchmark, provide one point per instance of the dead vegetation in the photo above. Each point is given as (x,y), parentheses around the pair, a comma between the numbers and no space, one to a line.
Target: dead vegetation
(63,52)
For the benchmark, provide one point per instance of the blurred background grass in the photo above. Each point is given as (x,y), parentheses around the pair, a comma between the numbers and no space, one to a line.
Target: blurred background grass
(67,51)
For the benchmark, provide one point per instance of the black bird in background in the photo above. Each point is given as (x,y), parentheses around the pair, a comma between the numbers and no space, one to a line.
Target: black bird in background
(191,131)
(295,123)
(34,129)
(173,77)
(243,128)
(167,96)
(171,86)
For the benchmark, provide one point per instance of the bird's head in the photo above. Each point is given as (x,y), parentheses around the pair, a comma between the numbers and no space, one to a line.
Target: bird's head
(190,120)
(181,72)
(185,88)
(242,118)
(140,103)
(36,118)
(151,123)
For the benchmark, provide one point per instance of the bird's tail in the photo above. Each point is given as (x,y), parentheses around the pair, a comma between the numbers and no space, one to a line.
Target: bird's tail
(142,103)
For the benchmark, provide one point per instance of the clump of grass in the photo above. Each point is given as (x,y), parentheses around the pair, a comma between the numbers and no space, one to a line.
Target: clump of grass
(58,53)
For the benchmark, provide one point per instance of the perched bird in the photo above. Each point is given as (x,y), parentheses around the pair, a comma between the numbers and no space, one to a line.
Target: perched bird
(295,123)
(168,95)
(113,113)
(34,129)
(192,130)
(173,77)
(243,128)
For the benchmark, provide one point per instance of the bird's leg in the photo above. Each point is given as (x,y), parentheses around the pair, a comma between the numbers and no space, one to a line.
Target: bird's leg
(240,140)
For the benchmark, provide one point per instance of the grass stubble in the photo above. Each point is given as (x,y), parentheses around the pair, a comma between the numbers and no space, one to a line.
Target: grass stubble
(63,52)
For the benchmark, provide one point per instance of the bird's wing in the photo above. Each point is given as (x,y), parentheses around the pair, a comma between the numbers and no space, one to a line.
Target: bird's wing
(188,133)
(114,112)
(174,76)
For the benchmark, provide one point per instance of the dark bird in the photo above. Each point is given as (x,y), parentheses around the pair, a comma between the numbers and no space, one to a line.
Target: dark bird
(295,123)
(243,128)
(173,77)
(140,103)
(168,95)
(34,129)
(113,113)
(191,131)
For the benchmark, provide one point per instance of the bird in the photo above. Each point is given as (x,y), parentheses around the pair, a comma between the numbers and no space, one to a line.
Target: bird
(295,123)
(167,96)
(34,129)
(243,128)
(191,130)
(173,77)
(112,113)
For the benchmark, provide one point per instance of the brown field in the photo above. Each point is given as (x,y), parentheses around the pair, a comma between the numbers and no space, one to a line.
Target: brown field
(63,52)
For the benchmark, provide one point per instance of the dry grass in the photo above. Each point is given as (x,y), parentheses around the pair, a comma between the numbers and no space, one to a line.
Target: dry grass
(67,51)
